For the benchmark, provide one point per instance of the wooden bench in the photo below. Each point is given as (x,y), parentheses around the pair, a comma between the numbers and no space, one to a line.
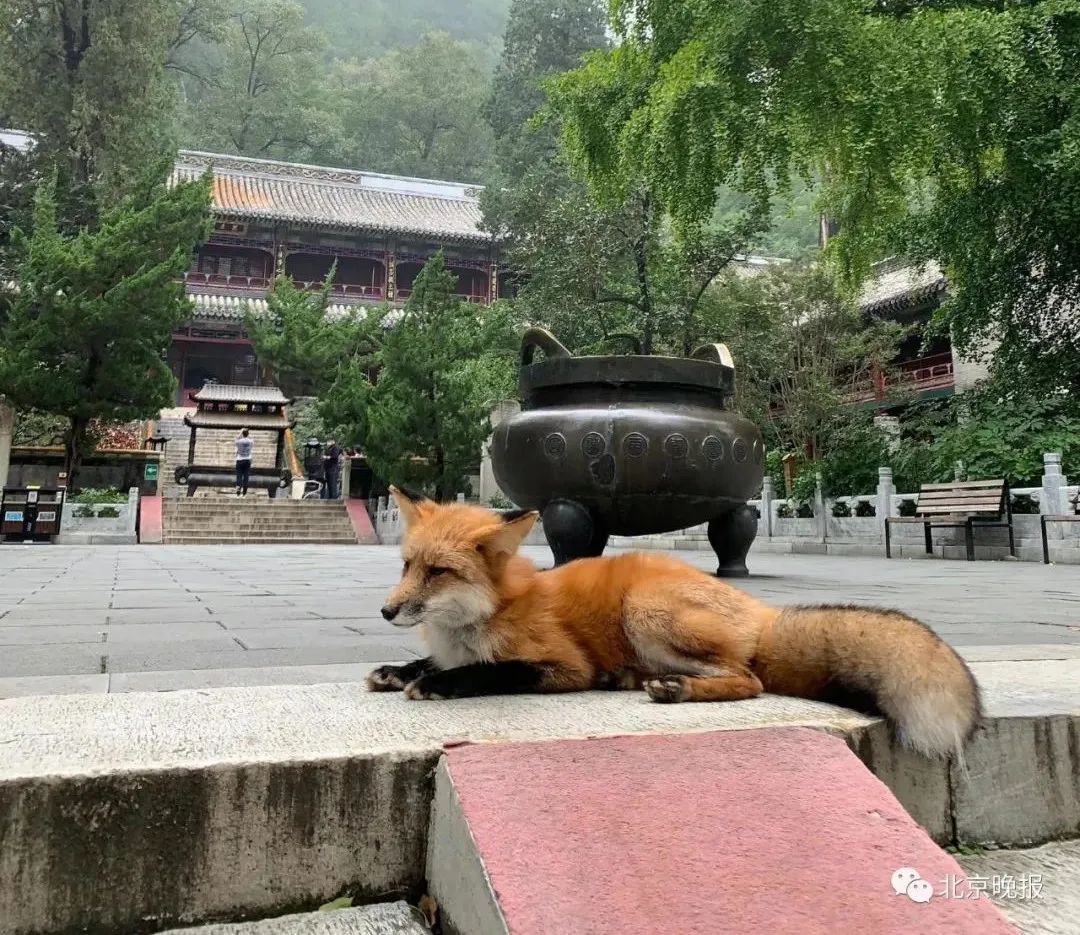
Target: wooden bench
(965,504)
(1073,517)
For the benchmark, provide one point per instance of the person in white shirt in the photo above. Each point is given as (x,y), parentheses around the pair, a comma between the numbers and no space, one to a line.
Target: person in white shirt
(244,448)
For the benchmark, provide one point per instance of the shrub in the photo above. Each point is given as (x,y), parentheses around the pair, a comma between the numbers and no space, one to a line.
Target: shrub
(784,511)
(99,495)
(865,508)
(804,511)
(841,509)
(1024,504)
(906,508)
(804,489)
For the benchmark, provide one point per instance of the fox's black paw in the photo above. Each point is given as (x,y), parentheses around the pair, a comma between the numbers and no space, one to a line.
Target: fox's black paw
(423,689)
(385,679)
(668,689)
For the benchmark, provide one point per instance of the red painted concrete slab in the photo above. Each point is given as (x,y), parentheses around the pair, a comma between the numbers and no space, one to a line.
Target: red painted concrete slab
(361,522)
(150,520)
(757,831)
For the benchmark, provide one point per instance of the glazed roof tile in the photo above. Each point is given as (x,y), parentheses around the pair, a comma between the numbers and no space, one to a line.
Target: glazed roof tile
(232,393)
(347,199)
(896,284)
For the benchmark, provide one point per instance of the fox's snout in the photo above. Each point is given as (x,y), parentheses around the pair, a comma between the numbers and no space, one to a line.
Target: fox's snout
(403,613)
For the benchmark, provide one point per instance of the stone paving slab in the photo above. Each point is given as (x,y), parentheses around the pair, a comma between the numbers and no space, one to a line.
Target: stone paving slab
(296,606)
(1037,889)
(266,794)
(384,919)
(223,678)
(22,685)
(52,659)
(29,635)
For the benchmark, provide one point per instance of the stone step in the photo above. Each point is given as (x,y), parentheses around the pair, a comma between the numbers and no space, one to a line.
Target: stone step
(279,532)
(257,540)
(261,503)
(252,532)
(777,830)
(381,919)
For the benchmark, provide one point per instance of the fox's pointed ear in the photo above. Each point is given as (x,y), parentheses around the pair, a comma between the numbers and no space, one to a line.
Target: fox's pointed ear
(411,505)
(507,536)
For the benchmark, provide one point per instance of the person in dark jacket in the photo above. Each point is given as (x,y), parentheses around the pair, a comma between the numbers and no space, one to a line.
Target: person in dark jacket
(332,460)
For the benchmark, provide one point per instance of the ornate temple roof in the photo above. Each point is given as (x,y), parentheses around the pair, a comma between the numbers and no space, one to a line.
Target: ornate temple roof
(896,285)
(15,139)
(231,393)
(345,199)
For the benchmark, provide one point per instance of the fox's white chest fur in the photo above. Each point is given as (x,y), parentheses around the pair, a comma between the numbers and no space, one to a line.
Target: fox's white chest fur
(456,630)
(460,646)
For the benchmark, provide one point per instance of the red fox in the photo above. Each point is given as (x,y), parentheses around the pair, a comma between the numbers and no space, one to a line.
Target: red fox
(497,625)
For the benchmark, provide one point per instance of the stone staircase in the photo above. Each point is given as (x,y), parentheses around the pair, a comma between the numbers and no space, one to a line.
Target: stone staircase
(255,519)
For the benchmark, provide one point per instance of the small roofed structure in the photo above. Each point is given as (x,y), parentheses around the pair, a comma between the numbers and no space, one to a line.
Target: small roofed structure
(227,407)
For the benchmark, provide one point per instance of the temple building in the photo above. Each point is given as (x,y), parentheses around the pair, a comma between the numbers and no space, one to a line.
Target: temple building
(910,295)
(277,217)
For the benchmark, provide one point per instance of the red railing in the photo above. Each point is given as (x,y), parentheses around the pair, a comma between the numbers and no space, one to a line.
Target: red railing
(259,283)
(355,290)
(918,375)
(474,299)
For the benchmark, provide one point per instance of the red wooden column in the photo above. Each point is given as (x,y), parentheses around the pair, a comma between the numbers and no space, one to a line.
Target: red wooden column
(877,376)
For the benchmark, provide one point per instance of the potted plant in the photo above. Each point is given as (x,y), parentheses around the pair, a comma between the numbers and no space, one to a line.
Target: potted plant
(630,445)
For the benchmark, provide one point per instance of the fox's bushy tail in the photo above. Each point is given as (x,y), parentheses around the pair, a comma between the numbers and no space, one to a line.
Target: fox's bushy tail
(878,661)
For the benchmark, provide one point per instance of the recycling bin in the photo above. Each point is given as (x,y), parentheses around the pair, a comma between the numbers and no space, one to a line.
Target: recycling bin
(31,514)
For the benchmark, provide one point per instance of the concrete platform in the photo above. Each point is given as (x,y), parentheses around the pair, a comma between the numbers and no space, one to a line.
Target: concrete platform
(769,831)
(242,802)
(384,919)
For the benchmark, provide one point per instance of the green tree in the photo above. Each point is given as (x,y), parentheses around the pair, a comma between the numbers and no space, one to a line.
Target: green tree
(302,343)
(91,313)
(941,130)
(87,79)
(543,38)
(604,277)
(440,367)
(802,352)
(367,29)
(257,89)
(995,430)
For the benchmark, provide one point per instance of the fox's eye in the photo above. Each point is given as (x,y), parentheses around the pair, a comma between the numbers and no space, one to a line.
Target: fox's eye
(438,570)
(405,568)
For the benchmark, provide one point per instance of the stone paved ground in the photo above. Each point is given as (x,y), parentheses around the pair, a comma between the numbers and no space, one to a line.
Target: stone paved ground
(96,619)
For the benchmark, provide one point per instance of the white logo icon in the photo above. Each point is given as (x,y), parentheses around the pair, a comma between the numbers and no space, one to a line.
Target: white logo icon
(907,882)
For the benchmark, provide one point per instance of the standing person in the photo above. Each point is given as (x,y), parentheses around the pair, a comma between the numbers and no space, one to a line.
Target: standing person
(332,490)
(244,448)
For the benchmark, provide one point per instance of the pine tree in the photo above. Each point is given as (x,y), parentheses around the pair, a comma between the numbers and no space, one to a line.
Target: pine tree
(91,313)
(543,38)
(301,343)
(440,368)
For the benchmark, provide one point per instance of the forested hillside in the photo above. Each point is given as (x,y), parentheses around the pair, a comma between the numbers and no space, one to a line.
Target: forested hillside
(365,28)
